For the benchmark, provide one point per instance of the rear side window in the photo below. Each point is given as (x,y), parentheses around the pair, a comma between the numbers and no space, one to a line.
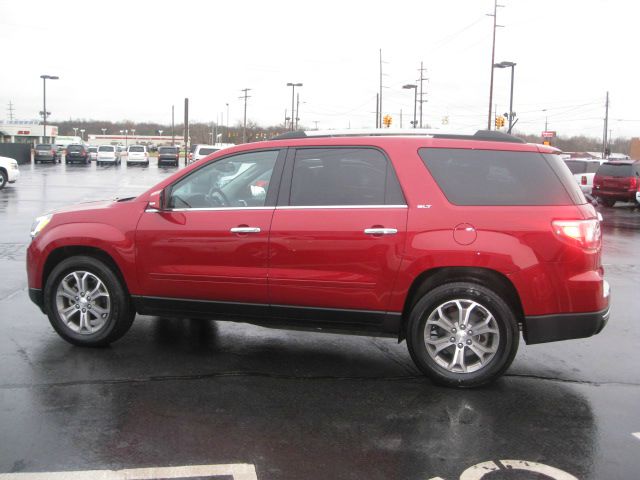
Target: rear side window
(492,177)
(615,170)
(343,176)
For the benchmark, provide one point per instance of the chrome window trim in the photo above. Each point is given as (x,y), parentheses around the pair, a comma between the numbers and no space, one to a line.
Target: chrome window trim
(282,207)
(316,207)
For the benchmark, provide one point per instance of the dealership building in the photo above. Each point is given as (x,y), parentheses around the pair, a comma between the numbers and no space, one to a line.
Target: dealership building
(131,139)
(27,131)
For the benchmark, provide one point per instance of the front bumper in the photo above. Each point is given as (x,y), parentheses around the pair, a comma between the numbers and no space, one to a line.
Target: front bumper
(13,175)
(565,326)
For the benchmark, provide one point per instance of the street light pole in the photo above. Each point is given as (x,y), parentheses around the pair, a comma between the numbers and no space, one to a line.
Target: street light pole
(512,66)
(227,124)
(293,104)
(44,102)
(415,100)
(82,130)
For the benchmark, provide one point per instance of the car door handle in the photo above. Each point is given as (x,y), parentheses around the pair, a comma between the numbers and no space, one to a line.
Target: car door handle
(380,231)
(245,230)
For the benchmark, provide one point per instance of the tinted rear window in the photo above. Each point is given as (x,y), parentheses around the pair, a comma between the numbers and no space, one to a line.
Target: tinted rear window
(615,170)
(93,149)
(491,177)
(576,166)
(207,151)
(43,147)
(107,149)
(168,150)
(74,148)
(136,149)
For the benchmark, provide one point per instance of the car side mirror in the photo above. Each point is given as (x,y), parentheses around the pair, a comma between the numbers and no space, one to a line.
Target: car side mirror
(156,200)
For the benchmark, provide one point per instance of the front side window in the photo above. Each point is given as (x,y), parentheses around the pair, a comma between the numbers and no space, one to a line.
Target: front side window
(241,180)
(343,176)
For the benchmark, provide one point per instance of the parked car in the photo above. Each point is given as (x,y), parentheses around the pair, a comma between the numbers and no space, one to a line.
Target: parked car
(452,243)
(93,153)
(583,171)
(76,152)
(107,154)
(617,181)
(137,154)
(168,155)
(202,151)
(9,171)
(45,152)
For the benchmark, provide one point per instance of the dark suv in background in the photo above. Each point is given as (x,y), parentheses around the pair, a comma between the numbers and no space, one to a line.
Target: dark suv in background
(45,152)
(168,155)
(77,153)
(617,181)
(454,243)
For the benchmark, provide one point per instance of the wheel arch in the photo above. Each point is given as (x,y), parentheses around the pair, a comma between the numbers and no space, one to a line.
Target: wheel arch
(68,251)
(435,277)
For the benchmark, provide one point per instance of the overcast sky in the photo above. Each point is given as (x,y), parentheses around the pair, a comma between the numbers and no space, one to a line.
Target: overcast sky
(134,59)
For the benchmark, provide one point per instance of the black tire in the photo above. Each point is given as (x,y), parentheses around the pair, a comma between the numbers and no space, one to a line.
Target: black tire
(607,202)
(121,314)
(507,342)
(3,179)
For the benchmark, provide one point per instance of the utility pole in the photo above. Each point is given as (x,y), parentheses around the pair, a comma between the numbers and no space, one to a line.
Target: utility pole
(285,118)
(377,108)
(379,119)
(493,57)
(297,109)
(244,125)
(11,109)
(606,128)
(186,129)
(422,79)
(227,125)
(173,132)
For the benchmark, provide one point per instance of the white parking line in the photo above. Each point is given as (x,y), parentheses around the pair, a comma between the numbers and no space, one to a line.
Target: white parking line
(239,471)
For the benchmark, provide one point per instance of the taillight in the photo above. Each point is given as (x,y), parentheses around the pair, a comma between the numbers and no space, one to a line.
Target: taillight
(191,156)
(633,184)
(581,233)
(583,180)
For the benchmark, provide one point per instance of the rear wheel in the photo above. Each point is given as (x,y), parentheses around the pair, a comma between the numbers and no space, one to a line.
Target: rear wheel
(86,302)
(462,335)
(3,179)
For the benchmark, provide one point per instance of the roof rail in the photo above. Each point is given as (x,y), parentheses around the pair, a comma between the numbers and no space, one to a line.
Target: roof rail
(487,135)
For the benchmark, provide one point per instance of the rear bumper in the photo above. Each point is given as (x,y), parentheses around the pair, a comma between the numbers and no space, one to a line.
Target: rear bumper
(621,195)
(566,326)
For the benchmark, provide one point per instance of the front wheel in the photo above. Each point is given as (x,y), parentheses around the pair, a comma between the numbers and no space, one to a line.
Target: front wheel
(462,335)
(86,302)
(3,179)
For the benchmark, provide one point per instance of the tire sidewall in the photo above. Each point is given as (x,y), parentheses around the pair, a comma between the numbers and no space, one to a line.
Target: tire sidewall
(505,319)
(116,293)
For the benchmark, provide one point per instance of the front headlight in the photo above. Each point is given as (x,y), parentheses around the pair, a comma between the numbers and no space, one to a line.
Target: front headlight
(39,223)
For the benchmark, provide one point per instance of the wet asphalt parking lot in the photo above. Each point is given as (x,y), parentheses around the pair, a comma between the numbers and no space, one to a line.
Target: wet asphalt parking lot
(235,401)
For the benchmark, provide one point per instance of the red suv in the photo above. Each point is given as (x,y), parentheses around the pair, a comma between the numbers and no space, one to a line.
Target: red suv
(617,181)
(454,243)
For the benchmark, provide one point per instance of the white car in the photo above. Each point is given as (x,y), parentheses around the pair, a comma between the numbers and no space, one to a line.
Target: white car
(202,151)
(583,170)
(137,154)
(93,153)
(107,154)
(9,171)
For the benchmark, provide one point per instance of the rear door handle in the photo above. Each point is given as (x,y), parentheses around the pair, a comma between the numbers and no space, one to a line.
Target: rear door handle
(245,230)
(380,231)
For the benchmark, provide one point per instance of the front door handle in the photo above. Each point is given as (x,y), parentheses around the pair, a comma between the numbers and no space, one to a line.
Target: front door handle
(380,231)
(245,230)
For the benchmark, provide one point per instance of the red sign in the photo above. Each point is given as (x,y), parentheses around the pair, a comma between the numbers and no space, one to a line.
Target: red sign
(548,134)
(24,132)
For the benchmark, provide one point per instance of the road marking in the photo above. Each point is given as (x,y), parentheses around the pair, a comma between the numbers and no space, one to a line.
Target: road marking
(239,471)
(637,435)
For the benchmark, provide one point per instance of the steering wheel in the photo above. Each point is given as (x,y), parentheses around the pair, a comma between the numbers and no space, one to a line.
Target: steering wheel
(217,197)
